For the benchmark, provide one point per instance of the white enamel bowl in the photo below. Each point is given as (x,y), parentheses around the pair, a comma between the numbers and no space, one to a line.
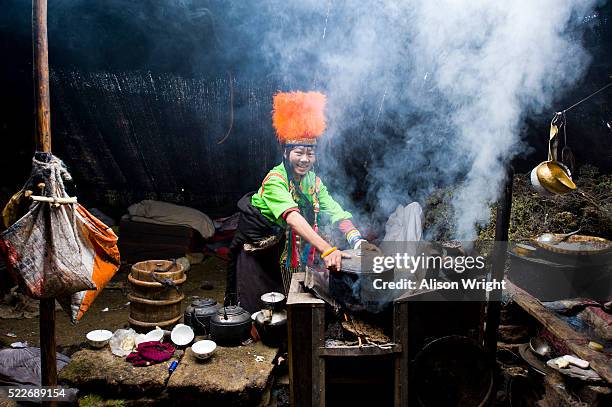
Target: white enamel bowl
(182,335)
(203,349)
(99,338)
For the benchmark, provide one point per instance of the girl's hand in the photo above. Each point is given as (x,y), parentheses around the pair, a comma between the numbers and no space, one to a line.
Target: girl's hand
(333,261)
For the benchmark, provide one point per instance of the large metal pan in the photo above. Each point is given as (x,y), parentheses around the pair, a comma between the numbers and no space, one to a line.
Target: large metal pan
(579,245)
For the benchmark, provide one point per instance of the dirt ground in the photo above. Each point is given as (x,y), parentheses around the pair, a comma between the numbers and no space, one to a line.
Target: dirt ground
(70,337)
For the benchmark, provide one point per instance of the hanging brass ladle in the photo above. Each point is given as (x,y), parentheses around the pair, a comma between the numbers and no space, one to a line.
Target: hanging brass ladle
(552,177)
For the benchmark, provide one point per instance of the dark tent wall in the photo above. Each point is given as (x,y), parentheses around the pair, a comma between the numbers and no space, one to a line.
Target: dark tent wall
(134,135)
(143,91)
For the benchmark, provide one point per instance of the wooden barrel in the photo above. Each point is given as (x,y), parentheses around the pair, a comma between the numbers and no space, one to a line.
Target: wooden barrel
(153,302)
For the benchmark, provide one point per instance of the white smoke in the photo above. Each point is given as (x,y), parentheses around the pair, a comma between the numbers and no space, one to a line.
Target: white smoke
(440,89)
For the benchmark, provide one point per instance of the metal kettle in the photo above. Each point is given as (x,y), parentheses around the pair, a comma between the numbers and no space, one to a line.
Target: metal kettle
(230,325)
(198,315)
(271,321)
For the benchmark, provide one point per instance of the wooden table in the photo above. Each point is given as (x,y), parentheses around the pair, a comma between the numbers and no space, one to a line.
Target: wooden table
(573,340)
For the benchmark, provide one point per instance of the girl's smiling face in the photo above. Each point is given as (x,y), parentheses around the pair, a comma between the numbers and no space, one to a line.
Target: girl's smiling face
(302,159)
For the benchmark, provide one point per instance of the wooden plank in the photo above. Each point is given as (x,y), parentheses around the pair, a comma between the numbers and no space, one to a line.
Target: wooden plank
(578,343)
(318,362)
(366,350)
(300,356)
(298,297)
(306,334)
(304,300)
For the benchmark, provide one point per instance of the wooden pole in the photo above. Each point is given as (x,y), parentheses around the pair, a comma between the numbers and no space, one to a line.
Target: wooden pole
(41,76)
(502,225)
(42,138)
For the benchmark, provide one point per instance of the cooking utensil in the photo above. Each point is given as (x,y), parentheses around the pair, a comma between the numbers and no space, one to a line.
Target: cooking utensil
(524,249)
(271,321)
(230,326)
(182,335)
(563,277)
(198,315)
(533,360)
(574,244)
(539,346)
(354,286)
(557,238)
(271,301)
(203,349)
(552,177)
(567,156)
(98,338)
(272,332)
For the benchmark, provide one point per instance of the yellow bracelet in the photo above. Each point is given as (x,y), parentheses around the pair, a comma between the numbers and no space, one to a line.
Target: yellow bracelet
(328,252)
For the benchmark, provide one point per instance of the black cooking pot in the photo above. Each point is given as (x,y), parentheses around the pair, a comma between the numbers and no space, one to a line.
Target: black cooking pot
(550,280)
(199,313)
(230,326)
(356,291)
(356,286)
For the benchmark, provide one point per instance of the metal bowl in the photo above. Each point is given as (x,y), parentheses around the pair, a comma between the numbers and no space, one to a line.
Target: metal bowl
(540,347)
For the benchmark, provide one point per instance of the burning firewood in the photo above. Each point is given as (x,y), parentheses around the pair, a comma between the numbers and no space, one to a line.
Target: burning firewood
(364,332)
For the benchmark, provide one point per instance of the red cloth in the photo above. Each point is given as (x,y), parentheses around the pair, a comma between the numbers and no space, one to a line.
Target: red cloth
(150,353)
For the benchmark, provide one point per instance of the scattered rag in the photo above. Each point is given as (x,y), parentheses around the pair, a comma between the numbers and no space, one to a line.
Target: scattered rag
(150,353)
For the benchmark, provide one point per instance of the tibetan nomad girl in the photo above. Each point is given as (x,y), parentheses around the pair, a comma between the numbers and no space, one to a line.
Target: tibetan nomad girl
(278,231)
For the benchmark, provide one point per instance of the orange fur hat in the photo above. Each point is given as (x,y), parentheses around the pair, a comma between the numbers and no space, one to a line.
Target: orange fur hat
(299,117)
